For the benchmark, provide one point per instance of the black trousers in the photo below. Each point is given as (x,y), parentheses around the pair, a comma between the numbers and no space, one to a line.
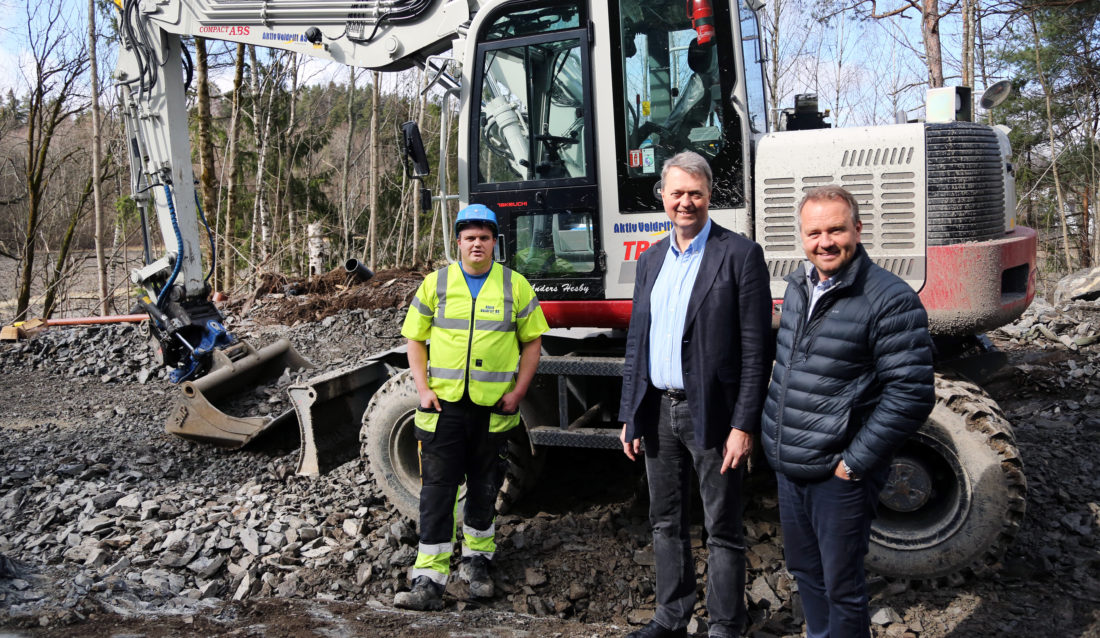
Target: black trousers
(460,450)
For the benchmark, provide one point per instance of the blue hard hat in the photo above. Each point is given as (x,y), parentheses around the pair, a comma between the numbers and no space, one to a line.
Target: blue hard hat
(476,213)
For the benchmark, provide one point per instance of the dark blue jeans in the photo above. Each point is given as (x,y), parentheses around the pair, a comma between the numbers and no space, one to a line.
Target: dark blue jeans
(669,458)
(826,529)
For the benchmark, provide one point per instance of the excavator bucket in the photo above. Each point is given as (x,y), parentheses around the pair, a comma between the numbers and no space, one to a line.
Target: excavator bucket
(330,413)
(210,410)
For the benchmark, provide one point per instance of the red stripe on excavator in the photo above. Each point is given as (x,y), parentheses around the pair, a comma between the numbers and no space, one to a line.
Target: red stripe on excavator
(963,277)
(964,289)
(614,313)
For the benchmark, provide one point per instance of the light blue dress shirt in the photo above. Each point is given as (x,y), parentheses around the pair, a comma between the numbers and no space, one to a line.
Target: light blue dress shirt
(668,302)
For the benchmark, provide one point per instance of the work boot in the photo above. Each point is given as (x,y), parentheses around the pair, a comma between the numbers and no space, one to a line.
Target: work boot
(425,595)
(475,571)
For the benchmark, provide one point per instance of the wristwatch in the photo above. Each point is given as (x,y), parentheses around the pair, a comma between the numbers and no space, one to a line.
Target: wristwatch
(852,476)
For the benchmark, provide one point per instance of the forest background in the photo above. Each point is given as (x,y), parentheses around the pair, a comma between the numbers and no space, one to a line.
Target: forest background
(296,157)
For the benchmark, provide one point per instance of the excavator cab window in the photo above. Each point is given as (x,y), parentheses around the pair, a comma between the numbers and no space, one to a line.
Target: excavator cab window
(674,68)
(752,47)
(532,116)
(555,244)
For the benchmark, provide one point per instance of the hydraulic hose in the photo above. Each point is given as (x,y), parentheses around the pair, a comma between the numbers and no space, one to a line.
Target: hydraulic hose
(179,251)
(210,236)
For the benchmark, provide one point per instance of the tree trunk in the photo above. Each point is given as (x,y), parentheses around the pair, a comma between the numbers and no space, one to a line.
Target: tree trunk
(97,162)
(261,217)
(315,242)
(967,62)
(345,172)
(43,116)
(232,162)
(420,114)
(773,47)
(981,53)
(930,30)
(374,168)
(57,277)
(1052,147)
(1085,241)
(292,122)
(206,143)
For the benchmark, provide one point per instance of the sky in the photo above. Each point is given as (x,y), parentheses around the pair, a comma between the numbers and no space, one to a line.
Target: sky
(14,57)
(866,49)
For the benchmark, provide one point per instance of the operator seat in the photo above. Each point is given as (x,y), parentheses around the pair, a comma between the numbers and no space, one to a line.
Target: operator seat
(697,99)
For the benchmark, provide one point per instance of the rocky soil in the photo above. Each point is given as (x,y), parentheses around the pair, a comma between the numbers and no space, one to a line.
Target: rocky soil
(110,526)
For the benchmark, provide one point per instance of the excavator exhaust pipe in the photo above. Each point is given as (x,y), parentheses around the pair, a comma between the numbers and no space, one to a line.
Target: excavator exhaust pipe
(204,412)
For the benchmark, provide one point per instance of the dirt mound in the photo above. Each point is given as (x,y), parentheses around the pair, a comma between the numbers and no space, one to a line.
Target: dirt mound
(278,299)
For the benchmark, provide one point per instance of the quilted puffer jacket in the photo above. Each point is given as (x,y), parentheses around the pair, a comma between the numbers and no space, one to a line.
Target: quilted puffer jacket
(854,380)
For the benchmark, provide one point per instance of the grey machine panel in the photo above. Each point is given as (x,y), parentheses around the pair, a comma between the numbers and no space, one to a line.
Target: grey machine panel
(883,166)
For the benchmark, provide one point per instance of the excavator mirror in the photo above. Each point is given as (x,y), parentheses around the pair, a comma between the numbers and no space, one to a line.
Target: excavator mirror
(412,148)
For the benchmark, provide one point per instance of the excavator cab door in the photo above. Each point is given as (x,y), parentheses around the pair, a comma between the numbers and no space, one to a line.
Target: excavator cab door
(532,160)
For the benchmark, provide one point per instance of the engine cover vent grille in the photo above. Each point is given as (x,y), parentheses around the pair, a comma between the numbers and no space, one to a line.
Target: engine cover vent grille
(882,167)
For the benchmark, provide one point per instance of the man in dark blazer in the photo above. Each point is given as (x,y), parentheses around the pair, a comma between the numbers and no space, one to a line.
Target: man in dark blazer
(697,361)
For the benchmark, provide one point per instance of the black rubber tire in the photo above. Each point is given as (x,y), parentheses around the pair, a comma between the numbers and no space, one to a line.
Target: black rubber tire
(389,449)
(977,492)
(389,443)
(522,469)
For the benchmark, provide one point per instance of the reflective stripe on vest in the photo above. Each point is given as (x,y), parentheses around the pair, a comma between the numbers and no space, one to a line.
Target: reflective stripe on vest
(488,345)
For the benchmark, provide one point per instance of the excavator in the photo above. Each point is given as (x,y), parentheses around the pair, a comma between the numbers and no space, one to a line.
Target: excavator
(566,111)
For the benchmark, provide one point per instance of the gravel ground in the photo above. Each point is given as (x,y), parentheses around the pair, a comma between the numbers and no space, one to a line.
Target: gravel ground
(109,526)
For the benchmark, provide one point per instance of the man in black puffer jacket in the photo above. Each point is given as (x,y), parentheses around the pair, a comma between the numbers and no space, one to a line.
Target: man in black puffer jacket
(852,380)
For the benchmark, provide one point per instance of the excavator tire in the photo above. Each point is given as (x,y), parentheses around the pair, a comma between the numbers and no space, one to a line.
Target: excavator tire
(956,495)
(388,443)
(389,449)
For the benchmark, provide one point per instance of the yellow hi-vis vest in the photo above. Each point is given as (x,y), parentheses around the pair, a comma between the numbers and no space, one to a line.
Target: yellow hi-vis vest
(474,340)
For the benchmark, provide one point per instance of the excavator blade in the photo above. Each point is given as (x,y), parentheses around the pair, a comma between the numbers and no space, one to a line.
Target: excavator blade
(209,409)
(330,414)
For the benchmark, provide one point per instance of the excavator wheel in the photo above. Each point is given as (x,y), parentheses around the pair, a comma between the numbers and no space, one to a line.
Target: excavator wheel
(956,494)
(389,449)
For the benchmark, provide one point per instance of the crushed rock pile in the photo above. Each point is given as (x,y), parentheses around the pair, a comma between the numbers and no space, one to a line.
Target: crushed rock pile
(102,513)
(1073,324)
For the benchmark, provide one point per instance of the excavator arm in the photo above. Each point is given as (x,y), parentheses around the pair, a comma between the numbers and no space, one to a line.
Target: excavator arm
(152,77)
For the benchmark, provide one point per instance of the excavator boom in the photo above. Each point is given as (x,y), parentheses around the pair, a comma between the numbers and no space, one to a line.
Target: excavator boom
(152,76)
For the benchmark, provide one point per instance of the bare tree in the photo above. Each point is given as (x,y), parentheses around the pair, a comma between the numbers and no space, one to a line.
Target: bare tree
(97,162)
(1048,98)
(930,17)
(206,142)
(260,238)
(372,238)
(59,59)
(232,164)
(347,226)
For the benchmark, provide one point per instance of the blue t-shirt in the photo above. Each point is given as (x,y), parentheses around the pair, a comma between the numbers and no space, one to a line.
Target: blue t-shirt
(475,282)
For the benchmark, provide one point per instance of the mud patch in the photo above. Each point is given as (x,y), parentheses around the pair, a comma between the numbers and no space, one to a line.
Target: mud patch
(278,300)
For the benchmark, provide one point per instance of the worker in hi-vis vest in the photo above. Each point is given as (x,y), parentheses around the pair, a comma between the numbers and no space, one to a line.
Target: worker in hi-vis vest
(483,326)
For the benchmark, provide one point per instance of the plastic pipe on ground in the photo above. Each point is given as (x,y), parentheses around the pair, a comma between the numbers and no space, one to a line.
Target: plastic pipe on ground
(77,321)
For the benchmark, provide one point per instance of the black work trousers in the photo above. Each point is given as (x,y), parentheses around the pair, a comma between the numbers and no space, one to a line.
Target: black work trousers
(460,450)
